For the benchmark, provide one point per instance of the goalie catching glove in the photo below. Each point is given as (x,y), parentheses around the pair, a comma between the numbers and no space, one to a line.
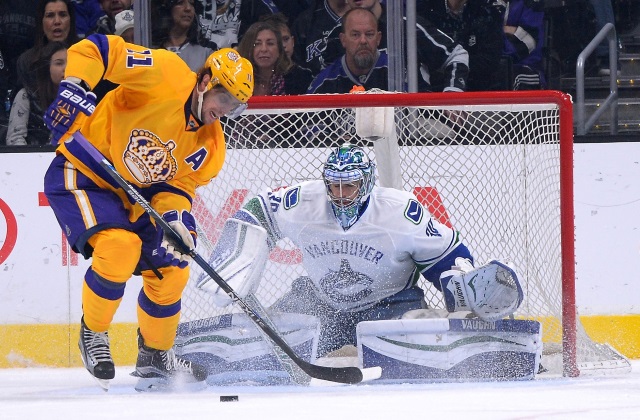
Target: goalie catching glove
(72,98)
(239,258)
(491,291)
(184,225)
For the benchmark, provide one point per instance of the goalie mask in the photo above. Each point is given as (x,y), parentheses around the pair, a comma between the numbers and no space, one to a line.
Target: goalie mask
(234,73)
(349,176)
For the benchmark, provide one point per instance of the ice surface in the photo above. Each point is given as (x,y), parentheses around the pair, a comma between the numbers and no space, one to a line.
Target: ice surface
(70,394)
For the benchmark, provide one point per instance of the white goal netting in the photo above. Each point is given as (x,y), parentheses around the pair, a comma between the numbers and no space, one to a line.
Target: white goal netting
(496,166)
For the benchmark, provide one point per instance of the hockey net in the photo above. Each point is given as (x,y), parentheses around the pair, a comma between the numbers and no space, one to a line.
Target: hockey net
(496,166)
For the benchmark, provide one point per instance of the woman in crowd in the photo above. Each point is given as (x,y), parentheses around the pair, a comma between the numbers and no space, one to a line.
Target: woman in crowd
(274,72)
(56,21)
(178,32)
(26,125)
(280,22)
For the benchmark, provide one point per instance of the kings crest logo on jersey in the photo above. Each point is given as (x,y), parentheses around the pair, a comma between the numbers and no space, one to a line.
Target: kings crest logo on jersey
(148,159)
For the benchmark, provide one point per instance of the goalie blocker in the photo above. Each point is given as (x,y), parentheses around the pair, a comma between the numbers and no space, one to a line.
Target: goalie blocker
(239,258)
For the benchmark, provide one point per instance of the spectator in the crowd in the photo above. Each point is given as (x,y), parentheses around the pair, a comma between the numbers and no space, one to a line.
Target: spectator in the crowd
(124,25)
(26,124)
(439,56)
(273,71)
(603,11)
(362,64)
(274,74)
(478,26)
(310,31)
(87,14)
(106,25)
(280,22)
(56,22)
(180,33)
(523,43)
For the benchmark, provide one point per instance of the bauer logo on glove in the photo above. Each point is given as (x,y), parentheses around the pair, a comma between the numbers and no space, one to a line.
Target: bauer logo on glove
(85,103)
(72,99)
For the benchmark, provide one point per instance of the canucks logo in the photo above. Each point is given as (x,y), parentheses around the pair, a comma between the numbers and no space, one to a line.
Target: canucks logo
(346,285)
(148,159)
(291,198)
(413,212)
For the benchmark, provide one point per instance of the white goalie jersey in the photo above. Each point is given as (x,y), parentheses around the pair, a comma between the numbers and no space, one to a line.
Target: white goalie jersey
(394,240)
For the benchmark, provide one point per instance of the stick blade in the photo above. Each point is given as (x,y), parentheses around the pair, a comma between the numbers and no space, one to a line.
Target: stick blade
(368,374)
(371,374)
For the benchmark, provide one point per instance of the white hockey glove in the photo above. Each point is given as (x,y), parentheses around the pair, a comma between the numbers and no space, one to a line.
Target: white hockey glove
(184,225)
(491,291)
(239,258)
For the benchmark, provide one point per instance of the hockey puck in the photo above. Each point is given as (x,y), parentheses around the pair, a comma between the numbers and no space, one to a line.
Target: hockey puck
(226,398)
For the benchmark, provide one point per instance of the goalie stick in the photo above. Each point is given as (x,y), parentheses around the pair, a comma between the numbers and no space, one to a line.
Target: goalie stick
(346,375)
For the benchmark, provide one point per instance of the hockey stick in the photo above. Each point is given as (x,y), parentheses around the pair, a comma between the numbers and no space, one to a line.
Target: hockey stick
(346,375)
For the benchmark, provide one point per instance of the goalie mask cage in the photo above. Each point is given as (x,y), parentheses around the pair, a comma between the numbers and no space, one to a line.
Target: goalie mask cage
(497,166)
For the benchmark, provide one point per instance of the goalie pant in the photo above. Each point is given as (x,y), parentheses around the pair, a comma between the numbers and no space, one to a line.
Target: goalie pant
(338,328)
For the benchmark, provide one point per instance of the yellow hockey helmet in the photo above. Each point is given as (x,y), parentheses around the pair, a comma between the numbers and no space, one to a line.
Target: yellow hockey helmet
(232,71)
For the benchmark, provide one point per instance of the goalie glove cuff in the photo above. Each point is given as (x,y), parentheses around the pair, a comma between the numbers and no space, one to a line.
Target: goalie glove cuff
(454,290)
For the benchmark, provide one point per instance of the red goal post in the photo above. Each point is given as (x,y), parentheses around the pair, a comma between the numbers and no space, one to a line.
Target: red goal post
(498,166)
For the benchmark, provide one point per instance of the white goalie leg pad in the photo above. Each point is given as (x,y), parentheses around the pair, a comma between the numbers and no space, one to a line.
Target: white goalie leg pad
(239,258)
(450,350)
(234,350)
(491,291)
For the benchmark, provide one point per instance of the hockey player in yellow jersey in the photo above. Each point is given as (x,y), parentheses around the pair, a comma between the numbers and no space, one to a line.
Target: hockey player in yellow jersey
(160,128)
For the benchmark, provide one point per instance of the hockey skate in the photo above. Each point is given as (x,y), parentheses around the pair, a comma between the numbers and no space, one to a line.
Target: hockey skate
(162,370)
(96,355)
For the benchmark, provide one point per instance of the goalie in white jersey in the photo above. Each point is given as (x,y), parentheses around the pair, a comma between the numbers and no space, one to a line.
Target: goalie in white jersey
(364,248)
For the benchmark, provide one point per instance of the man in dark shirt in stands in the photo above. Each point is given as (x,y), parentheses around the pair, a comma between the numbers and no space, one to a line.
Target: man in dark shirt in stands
(437,53)
(362,64)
